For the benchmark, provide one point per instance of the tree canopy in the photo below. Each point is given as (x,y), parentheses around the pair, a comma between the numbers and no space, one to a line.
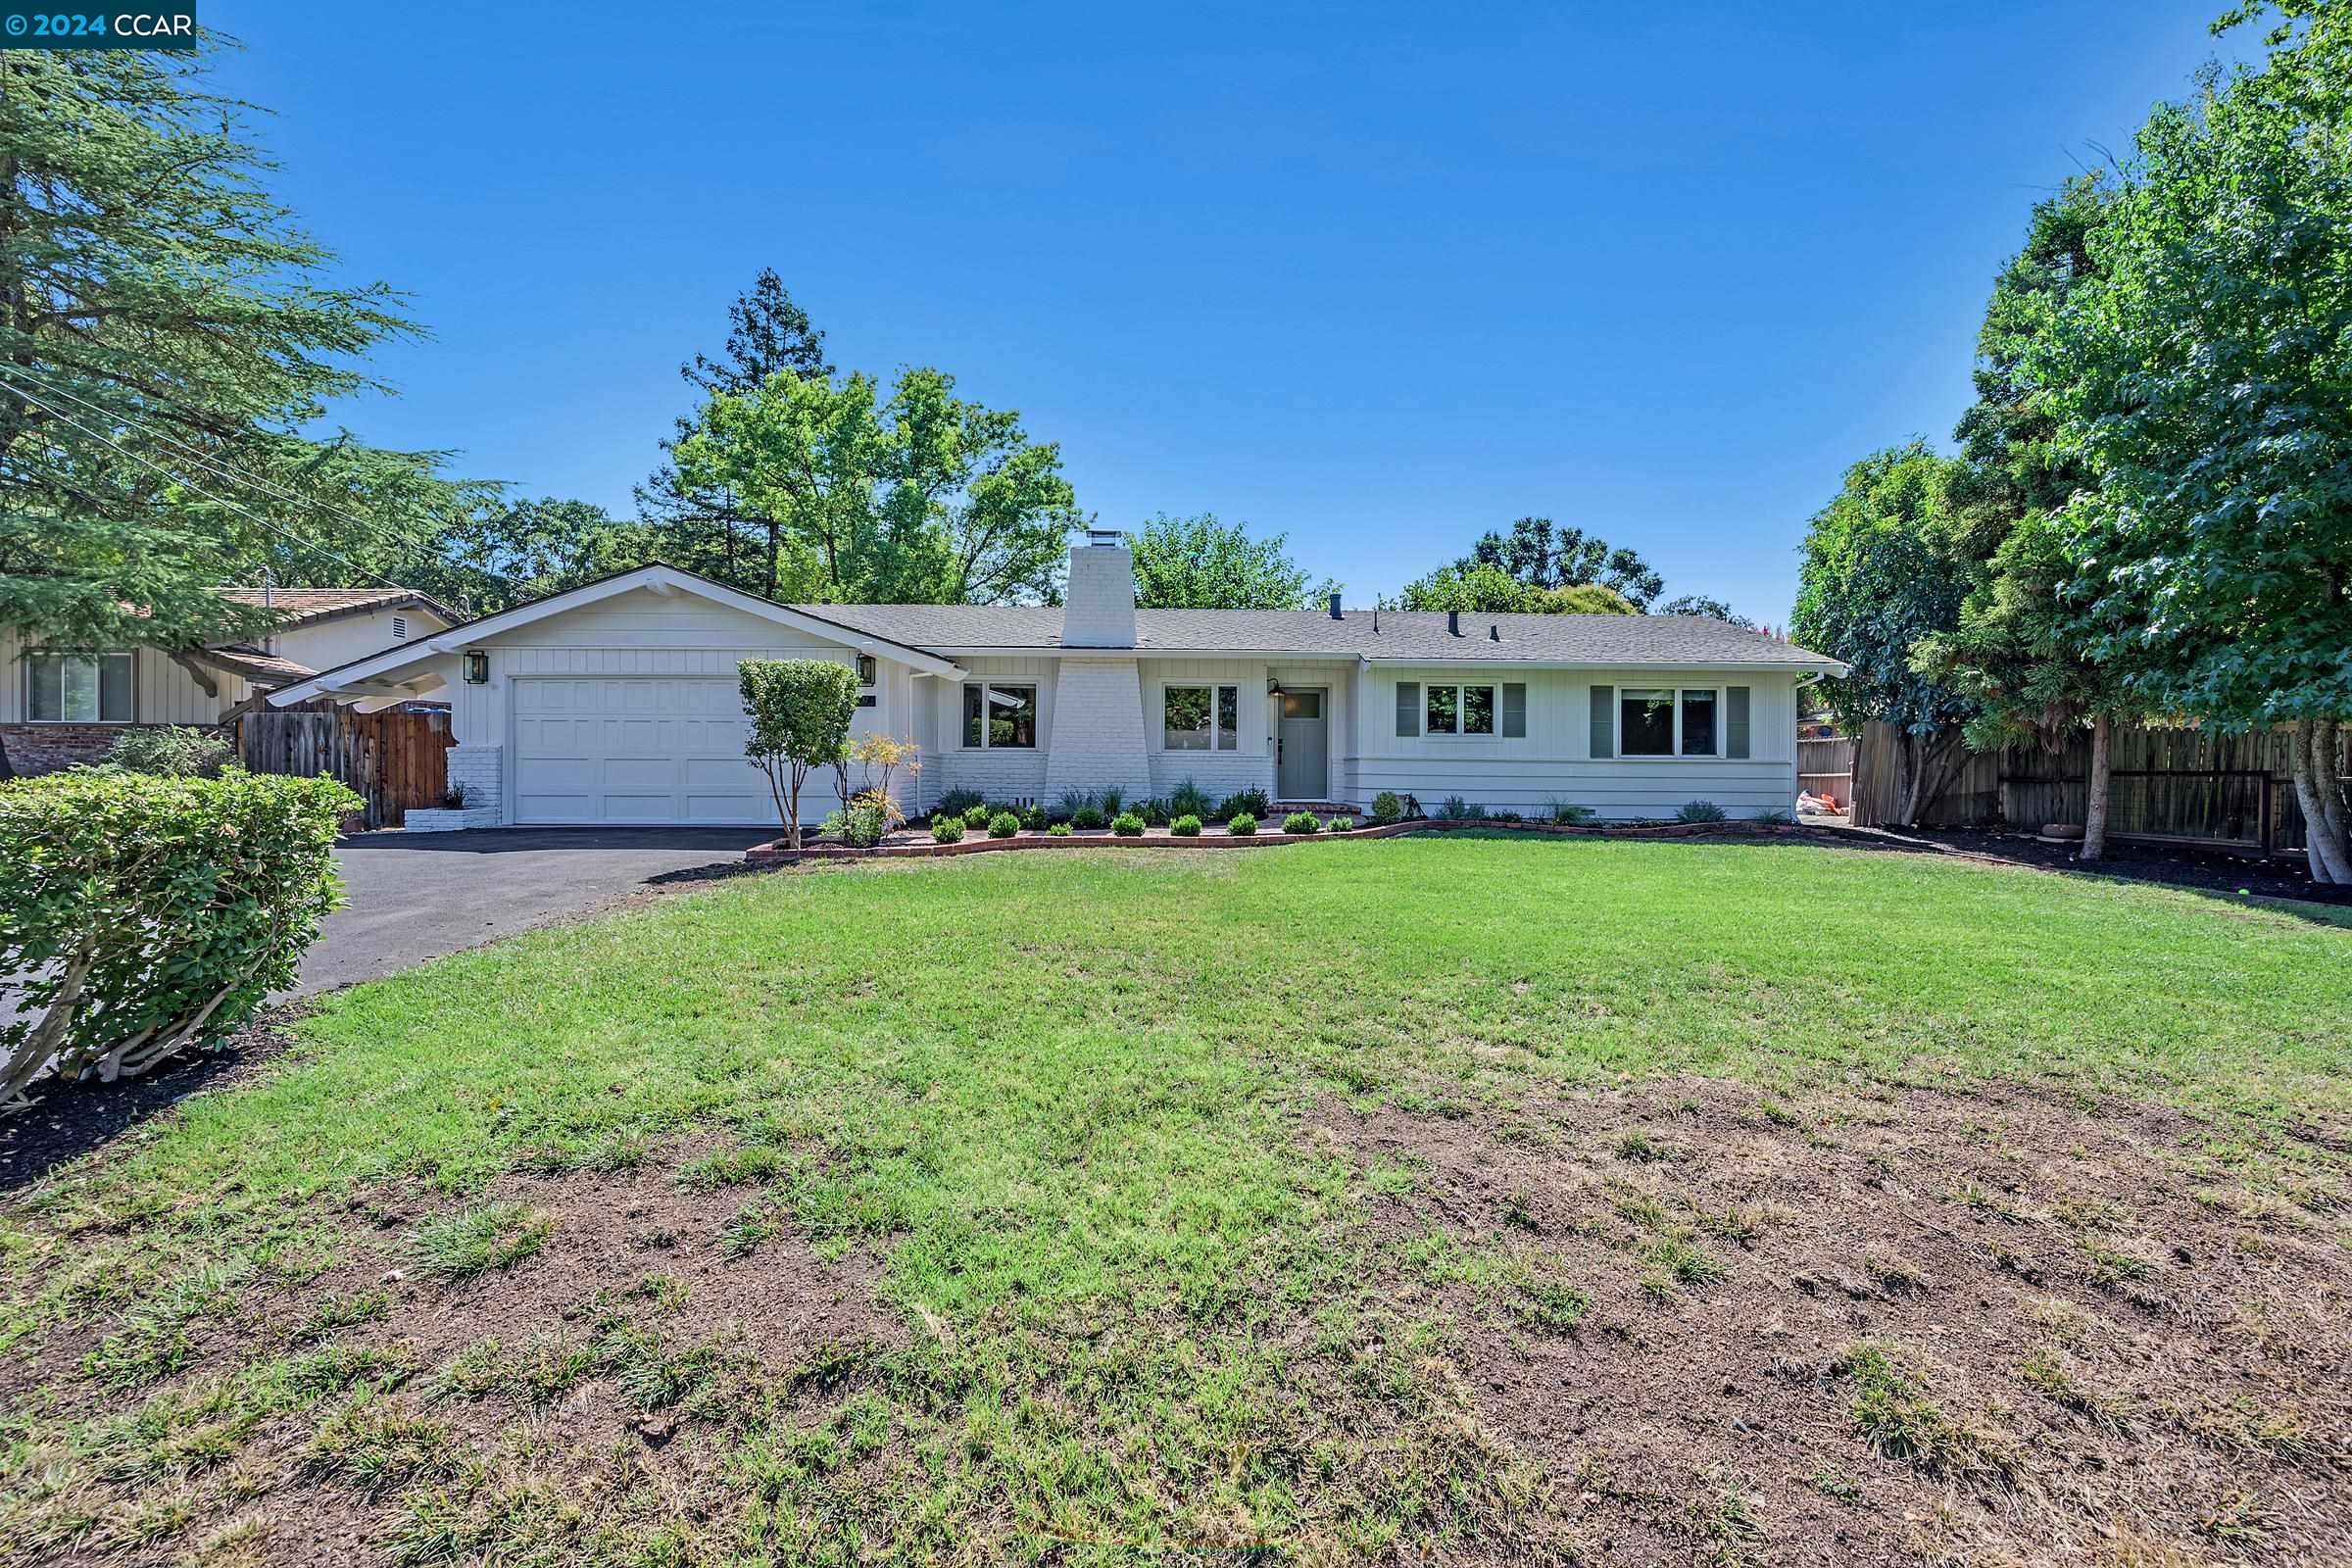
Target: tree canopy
(710,528)
(1703,605)
(1203,564)
(507,552)
(1485,589)
(922,497)
(1541,554)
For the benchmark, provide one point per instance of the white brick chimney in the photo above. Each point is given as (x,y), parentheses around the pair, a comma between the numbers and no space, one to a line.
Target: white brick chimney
(1098,609)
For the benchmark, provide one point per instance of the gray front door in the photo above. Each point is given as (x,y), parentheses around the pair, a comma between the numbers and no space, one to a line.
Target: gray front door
(1304,771)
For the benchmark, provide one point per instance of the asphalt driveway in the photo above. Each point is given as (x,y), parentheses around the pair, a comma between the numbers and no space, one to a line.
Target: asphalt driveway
(416,896)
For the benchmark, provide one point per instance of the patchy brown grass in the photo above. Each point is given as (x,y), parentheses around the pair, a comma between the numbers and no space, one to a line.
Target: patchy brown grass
(1922,1345)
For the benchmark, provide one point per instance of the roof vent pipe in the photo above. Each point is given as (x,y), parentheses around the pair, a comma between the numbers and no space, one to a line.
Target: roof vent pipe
(1494,632)
(1453,623)
(1335,606)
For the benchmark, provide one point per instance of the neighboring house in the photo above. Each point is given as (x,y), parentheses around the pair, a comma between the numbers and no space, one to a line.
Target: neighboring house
(618,701)
(61,707)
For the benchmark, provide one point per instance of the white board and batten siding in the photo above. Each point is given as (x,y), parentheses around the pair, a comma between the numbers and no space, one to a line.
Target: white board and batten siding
(1554,760)
(163,691)
(628,710)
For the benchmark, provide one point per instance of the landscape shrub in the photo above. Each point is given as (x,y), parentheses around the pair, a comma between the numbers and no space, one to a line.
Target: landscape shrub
(1245,802)
(171,751)
(1699,811)
(1110,800)
(1302,822)
(1059,830)
(143,915)
(1509,817)
(800,711)
(1454,808)
(1774,818)
(1003,825)
(947,830)
(863,826)
(1073,802)
(1187,826)
(957,802)
(1341,824)
(1242,825)
(1387,807)
(976,818)
(1188,799)
(1128,825)
(1565,814)
(1087,816)
(1153,811)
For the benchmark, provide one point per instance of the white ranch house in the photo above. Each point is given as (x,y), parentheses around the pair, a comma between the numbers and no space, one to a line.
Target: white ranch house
(617,702)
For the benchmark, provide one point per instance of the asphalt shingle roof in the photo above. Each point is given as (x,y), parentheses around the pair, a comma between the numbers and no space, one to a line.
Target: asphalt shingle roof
(298,604)
(1419,635)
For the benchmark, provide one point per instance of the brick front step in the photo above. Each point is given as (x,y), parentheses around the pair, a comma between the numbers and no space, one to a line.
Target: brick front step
(1162,839)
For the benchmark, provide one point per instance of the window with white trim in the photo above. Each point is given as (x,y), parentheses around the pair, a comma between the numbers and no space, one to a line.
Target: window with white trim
(1458,711)
(1669,721)
(998,717)
(1201,718)
(77,688)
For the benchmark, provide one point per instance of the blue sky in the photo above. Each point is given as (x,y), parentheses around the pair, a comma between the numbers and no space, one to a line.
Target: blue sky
(1378,277)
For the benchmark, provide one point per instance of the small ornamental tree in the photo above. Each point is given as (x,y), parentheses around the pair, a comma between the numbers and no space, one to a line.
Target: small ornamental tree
(801,711)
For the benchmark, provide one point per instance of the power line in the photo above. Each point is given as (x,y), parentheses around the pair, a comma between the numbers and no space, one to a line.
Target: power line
(219,501)
(417,550)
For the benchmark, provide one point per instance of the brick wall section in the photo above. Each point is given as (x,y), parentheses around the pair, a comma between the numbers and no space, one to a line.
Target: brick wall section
(1097,729)
(36,749)
(480,772)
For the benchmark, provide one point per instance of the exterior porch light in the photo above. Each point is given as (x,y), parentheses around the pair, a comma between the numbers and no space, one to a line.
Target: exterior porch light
(1273,686)
(477,667)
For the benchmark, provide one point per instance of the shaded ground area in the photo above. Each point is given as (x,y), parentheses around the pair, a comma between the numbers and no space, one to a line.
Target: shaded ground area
(417,896)
(2210,870)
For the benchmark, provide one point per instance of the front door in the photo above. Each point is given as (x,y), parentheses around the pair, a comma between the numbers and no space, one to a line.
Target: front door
(1304,770)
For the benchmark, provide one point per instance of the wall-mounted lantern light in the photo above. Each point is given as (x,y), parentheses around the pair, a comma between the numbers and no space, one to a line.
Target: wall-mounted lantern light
(1273,687)
(477,667)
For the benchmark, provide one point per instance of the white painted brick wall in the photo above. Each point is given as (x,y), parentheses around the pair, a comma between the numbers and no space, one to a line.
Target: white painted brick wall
(1220,774)
(480,771)
(1097,735)
(1098,609)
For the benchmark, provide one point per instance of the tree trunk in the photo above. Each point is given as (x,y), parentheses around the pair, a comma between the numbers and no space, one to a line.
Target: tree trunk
(1929,764)
(2095,810)
(2319,791)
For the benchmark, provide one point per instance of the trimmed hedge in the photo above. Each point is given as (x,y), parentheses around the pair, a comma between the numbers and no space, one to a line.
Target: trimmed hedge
(141,916)
(1302,822)
(1243,825)
(1003,825)
(1128,825)
(1187,826)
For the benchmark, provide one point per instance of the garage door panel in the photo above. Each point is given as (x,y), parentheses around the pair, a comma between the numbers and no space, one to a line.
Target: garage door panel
(640,750)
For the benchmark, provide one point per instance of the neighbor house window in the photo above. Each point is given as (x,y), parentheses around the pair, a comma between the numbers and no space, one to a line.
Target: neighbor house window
(79,688)
(1667,721)
(1460,711)
(1201,718)
(999,716)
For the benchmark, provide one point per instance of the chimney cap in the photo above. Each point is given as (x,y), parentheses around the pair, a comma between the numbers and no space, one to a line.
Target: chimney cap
(1104,536)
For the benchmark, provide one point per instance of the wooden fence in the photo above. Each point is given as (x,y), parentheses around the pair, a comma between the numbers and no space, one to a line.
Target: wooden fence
(2188,786)
(393,760)
(1825,766)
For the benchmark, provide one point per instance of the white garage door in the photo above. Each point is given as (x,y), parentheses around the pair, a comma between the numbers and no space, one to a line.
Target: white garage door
(639,748)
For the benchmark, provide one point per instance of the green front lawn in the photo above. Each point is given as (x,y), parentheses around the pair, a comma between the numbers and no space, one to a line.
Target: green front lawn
(1062,1203)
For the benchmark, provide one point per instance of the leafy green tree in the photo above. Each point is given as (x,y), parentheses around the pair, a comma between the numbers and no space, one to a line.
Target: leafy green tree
(801,711)
(2013,652)
(513,552)
(926,499)
(1201,564)
(1875,580)
(710,528)
(165,333)
(1544,554)
(2203,376)
(1702,605)
(1488,590)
